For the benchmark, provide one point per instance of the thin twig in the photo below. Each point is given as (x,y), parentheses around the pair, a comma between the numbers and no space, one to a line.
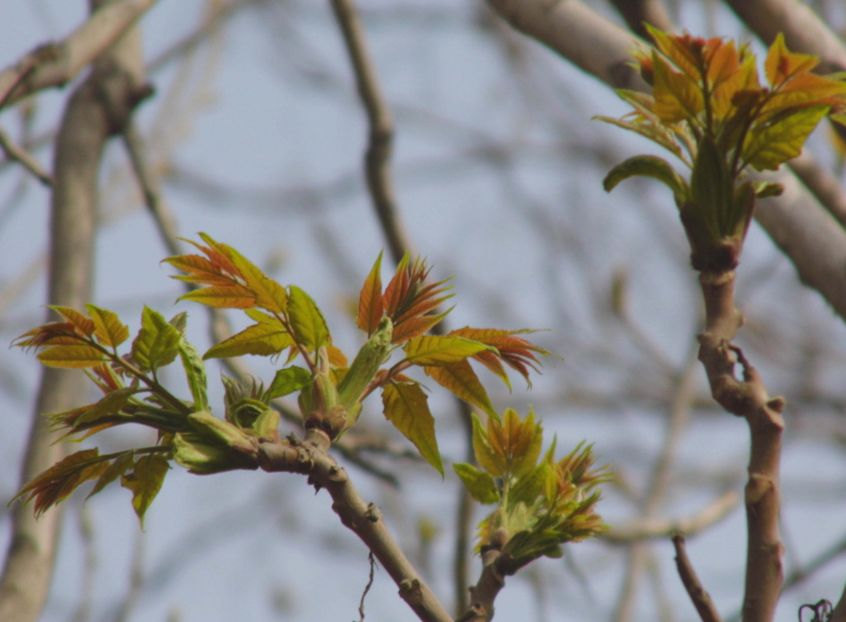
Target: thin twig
(371,575)
(700,598)
(18,154)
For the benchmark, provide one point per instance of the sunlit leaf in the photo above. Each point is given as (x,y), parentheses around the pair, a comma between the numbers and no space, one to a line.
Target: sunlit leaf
(406,407)
(263,339)
(429,350)
(83,324)
(71,356)
(157,343)
(677,95)
(223,297)
(461,380)
(195,373)
(268,293)
(479,484)
(145,480)
(782,64)
(307,321)
(198,270)
(109,330)
(783,140)
(370,304)
(485,454)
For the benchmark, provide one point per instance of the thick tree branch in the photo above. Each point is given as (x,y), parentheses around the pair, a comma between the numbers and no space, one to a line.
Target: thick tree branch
(311,458)
(87,123)
(55,64)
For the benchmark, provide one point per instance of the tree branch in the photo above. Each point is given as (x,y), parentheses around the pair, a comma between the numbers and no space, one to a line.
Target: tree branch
(55,64)
(87,123)
(311,458)
(700,598)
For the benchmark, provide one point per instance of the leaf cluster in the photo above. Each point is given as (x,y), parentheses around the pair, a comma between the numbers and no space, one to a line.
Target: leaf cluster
(286,325)
(709,108)
(541,503)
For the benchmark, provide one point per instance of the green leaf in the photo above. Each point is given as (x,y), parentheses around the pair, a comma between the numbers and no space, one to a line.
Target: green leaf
(269,294)
(109,330)
(307,322)
(71,356)
(711,191)
(286,381)
(195,373)
(157,343)
(485,454)
(462,381)
(768,148)
(109,406)
(145,481)
(432,350)
(116,469)
(263,339)
(406,407)
(479,484)
(532,484)
(648,166)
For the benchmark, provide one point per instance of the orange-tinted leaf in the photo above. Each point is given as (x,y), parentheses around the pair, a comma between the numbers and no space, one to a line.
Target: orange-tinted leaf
(516,352)
(223,297)
(677,96)
(82,323)
(59,481)
(71,356)
(51,333)
(429,350)
(370,304)
(406,407)
(461,380)
(416,326)
(486,456)
(678,49)
(199,270)
(263,339)
(268,293)
(109,330)
(781,64)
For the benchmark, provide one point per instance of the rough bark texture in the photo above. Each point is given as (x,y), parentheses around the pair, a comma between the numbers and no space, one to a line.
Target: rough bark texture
(89,119)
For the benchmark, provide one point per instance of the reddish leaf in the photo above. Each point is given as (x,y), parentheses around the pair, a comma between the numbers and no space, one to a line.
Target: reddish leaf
(109,330)
(371,307)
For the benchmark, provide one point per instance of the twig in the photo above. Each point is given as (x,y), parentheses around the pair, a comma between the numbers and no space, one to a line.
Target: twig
(372,560)
(57,63)
(700,598)
(20,155)
(650,529)
(381,129)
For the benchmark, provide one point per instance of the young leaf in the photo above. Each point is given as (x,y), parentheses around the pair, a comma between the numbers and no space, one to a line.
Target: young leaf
(430,350)
(233,296)
(145,480)
(109,406)
(157,343)
(117,468)
(370,304)
(268,293)
(60,480)
(109,330)
(195,373)
(770,147)
(462,381)
(286,381)
(479,484)
(648,166)
(487,458)
(263,339)
(406,407)
(307,321)
(83,324)
(71,356)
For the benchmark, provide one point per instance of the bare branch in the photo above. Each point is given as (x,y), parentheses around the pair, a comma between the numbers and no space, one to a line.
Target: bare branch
(56,64)
(381,129)
(86,126)
(701,599)
(17,154)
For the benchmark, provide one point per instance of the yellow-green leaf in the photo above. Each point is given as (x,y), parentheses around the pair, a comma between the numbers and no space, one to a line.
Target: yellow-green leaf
(195,373)
(109,330)
(307,321)
(479,484)
(648,166)
(406,407)
(269,294)
(108,406)
(464,383)
(145,480)
(71,356)
(487,458)
(431,350)
(263,339)
(770,147)
(223,297)
(157,343)
(82,323)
